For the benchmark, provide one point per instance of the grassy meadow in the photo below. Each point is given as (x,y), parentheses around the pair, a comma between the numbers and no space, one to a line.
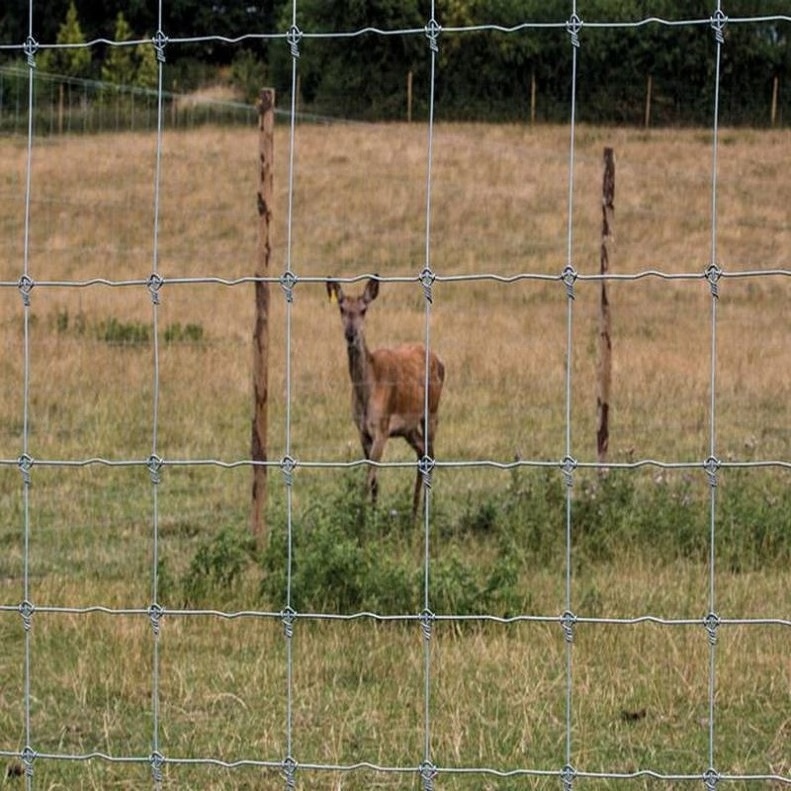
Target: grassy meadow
(499,207)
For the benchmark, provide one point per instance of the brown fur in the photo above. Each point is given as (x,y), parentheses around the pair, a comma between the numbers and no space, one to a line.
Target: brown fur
(388,388)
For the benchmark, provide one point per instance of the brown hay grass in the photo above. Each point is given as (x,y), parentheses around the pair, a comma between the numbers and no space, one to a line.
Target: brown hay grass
(498,206)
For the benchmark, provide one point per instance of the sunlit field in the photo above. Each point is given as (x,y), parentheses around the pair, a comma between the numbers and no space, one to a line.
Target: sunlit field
(502,216)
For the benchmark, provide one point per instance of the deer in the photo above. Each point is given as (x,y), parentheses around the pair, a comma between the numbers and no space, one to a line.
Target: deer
(389,388)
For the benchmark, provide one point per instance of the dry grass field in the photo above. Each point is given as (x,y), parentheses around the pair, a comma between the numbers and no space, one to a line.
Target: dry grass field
(499,207)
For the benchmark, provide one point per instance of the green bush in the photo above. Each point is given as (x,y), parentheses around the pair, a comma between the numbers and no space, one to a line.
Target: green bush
(347,556)
(217,567)
(183,333)
(114,331)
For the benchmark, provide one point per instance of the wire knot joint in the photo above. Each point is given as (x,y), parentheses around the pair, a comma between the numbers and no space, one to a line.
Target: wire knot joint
(287,282)
(427,622)
(712,623)
(432,31)
(425,467)
(25,464)
(25,286)
(710,779)
(287,467)
(154,284)
(713,274)
(157,760)
(30,49)
(718,23)
(567,622)
(573,28)
(293,37)
(154,465)
(711,466)
(155,615)
(287,618)
(427,278)
(160,41)
(427,774)
(569,278)
(289,767)
(567,467)
(28,756)
(26,610)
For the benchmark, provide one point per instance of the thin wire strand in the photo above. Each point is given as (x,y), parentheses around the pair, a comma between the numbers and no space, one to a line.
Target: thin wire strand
(288,624)
(154,468)
(573,30)
(432,33)
(26,606)
(713,388)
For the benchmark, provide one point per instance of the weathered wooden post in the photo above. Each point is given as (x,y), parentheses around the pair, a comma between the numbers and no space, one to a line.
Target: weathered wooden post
(775,92)
(266,135)
(604,373)
(533,93)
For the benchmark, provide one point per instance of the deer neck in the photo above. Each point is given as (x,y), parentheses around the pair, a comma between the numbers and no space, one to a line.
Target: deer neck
(360,369)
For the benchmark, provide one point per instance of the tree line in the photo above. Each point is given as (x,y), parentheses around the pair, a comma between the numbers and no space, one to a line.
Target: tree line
(496,59)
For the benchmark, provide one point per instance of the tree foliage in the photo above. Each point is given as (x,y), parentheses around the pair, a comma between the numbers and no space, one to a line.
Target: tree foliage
(119,66)
(495,59)
(71,61)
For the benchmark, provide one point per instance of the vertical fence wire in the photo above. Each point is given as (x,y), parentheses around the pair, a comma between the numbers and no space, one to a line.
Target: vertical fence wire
(154,462)
(25,461)
(427,276)
(287,282)
(718,24)
(567,622)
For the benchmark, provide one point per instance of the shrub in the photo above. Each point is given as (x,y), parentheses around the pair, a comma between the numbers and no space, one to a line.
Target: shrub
(217,567)
(183,333)
(347,556)
(114,331)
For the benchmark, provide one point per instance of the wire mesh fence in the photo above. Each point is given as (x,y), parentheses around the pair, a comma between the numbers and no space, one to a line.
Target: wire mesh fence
(266,749)
(79,106)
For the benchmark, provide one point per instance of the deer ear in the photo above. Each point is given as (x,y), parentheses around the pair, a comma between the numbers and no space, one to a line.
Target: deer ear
(371,289)
(334,291)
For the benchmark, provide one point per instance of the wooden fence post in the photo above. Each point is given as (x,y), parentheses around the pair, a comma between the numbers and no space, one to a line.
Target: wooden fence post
(533,91)
(604,373)
(775,91)
(266,133)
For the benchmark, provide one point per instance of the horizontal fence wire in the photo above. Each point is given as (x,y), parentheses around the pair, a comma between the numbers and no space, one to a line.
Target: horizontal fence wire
(290,766)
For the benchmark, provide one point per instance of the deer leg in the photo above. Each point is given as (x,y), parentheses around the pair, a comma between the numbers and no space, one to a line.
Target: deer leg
(423,443)
(416,495)
(367,441)
(415,439)
(375,451)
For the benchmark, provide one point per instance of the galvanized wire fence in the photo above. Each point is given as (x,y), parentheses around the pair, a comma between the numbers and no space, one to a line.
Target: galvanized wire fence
(74,105)
(427,769)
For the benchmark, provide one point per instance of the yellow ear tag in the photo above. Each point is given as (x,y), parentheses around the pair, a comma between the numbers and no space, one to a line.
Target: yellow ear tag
(333,297)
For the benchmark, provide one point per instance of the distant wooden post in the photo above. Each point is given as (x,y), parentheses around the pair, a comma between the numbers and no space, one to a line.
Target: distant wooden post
(775,91)
(409,79)
(533,89)
(61,102)
(266,135)
(649,89)
(604,373)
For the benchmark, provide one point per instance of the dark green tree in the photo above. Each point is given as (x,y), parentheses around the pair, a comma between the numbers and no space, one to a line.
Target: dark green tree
(361,76)
(71,61)
(119,64)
